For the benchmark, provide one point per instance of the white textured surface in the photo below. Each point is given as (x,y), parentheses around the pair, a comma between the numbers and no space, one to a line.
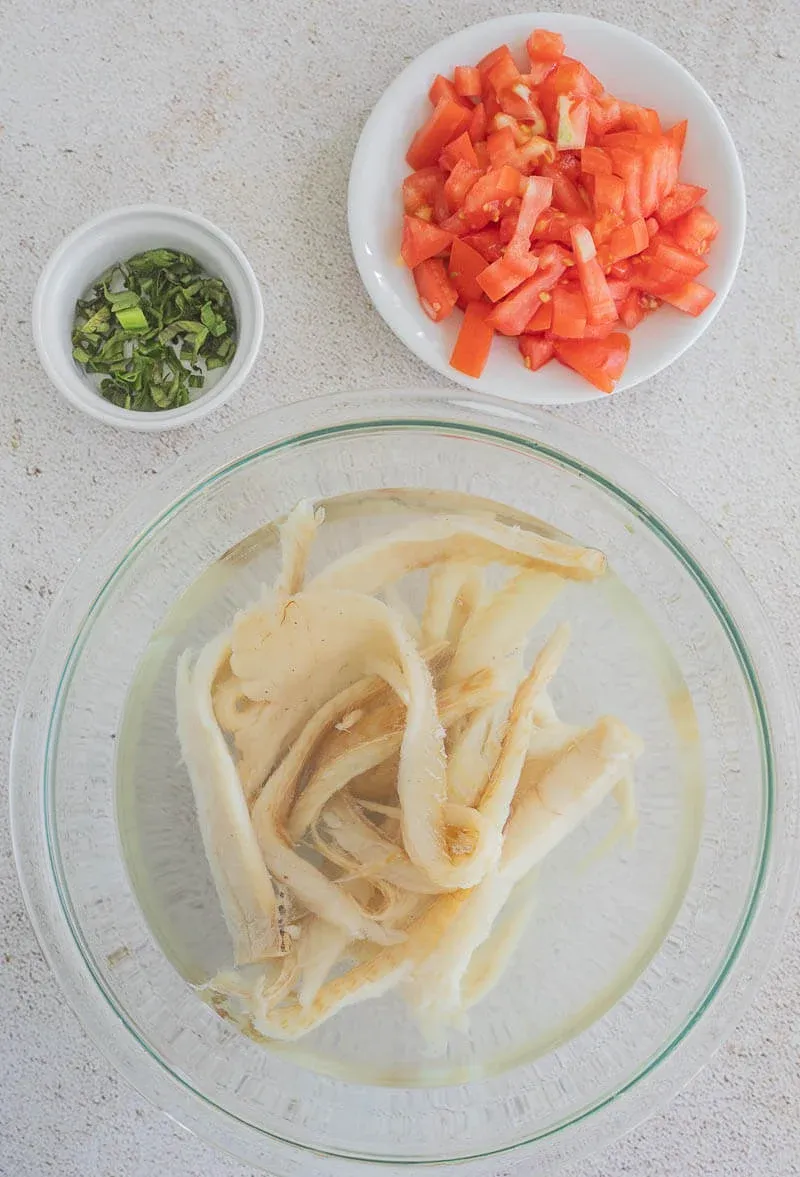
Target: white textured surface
(259,138)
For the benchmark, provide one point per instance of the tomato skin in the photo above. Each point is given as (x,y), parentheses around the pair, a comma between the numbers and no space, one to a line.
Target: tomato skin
(474,341)
(464,267)
(639,118)
(595,161)
(437,294)
(448,121)
(600,361)
(485,200)
(502,74)
(459,149)
(666,251)
(422,240)
(536,351)
(541,319)
(478,123)
(631,311)
(624,243)
(609,194)
(506,274)
(604,114)
(569,313)
(599,303)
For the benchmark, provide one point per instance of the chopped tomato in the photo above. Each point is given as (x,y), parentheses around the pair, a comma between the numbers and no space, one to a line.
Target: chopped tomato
(628,165)
(485,200)
(599,303)
(437,294)
(572,122)
(695,230)
(677,136)
(467,81)
(506,274)
(535,351)
(558,208)
(512,315)
(609,194)
(692,298)
(459,182)
(680,200)
(535,199)
(545,46)
(604,114)
(486,242)
(595,161)
(422,240)
(631,311)
(639,118)
(474,341)
(665,251)
(600,361)
(501,146)
(569,313)
(459,149)
(502,73)
(448,121)
(421,188)
(465,265)
(542,318)
(477,124)
(625,242)
(566,195)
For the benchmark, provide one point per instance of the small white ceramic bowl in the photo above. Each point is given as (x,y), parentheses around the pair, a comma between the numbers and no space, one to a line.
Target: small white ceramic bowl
(629,67)
(115,236)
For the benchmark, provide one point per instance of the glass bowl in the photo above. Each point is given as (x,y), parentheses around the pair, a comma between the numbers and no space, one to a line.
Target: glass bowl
(638,955)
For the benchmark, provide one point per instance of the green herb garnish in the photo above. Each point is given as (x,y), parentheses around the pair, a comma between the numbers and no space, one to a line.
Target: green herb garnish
(152,327)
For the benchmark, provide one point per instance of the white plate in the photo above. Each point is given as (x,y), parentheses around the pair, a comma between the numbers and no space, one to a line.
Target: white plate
(629,67)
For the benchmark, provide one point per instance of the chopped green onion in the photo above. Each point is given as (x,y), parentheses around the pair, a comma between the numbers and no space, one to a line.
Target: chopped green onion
(152,327)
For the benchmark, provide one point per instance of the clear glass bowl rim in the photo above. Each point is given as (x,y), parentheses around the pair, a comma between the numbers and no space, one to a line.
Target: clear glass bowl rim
(774,704)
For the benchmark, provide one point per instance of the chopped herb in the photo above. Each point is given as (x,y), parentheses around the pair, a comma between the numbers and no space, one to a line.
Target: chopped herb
(152,327)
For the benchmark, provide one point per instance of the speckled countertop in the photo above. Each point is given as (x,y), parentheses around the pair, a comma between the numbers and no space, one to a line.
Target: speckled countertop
(249,113)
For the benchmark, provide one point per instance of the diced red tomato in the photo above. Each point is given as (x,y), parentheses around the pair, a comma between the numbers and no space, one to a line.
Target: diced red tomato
(680,200)
(558,208)
(599,303)
(501,146)
(695,230)
(448,121)
(639,118)
(631,311)
(420,188)
(570,314)
(422,240)
(484,201)
(486,242)
(506,274)
(677,135)
(535,350)
(541,319)
(477,123)
(625,242)
(442,87)
(459,182)
(460,149)
(604,114)
(465,266)
(474,341)
(600,361)
(595,161)
(437,294)
(535,199)
(512,315)
(692,298)
(467,81)
(545,46)
(665,251)
(609,194)
(502,73)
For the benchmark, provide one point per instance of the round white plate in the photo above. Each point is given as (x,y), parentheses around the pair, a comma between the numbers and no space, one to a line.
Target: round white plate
(630,68)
